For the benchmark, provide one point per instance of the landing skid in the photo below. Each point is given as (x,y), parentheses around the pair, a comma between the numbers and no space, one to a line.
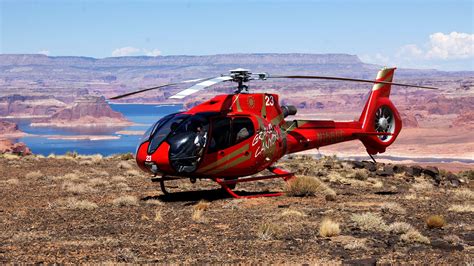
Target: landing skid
(278,173)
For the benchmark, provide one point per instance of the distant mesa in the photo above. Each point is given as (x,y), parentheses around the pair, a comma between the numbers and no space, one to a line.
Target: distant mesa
(29,106)
(9,130)
(409,120)
(464,120)
(85,111)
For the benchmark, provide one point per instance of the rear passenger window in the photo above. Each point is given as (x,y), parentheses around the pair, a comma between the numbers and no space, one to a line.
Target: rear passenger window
(242,129)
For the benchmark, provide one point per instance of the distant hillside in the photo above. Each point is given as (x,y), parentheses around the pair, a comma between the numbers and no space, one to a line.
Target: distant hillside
(42,70)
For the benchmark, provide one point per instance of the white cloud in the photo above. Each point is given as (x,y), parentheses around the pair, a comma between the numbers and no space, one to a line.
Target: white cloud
(409,50)
(125,51)
(45,52)
(154,52)
(456,45)
(131,51)
(452,51)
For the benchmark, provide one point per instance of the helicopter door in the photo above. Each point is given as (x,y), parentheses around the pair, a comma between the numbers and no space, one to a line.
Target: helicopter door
(229,146)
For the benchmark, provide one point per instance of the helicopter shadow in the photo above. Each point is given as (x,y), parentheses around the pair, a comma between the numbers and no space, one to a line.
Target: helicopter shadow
(193,196)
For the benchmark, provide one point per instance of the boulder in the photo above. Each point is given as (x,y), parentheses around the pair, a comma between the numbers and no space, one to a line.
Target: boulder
(20,148)
(357,165)
(370,166)
(387,170)
(444,245)
(414,170)
(433,172)
(453,179)
(399,169)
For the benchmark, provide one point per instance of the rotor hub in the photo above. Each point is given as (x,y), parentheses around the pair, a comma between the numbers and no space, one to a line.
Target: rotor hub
(383,123)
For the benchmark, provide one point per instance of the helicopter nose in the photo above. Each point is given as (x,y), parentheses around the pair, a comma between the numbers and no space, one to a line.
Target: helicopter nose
(156,162)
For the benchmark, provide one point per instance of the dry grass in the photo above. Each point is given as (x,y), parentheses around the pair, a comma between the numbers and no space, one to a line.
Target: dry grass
(303,186)
(464,194)
(357,244)
(292,213)
(461,208)
(198,216)
(126,156)
(154,202)
(375,182)
(369,222)
(202,205)
(86,162)
(98,182)
(198,211)
(415,196)
(75,204)
(122,186)
(13,181)
(328,228)
(124,165)
(392,207)
(10,156)
(76,188)
(102,173)
(158,216)
(69,177)
(413,236)
(34,175)
(96,158)
(267,231)
(125,201)
(118,178)
(359,174)
(133,173)
(435,221)
(422,185)
(399,228)
(453,239)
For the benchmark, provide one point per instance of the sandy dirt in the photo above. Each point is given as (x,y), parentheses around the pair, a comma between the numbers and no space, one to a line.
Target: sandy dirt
(70,210)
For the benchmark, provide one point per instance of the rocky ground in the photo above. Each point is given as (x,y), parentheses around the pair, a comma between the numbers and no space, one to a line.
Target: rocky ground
(74,209)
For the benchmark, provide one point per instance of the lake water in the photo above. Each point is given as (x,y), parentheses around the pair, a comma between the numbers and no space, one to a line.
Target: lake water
(144,115)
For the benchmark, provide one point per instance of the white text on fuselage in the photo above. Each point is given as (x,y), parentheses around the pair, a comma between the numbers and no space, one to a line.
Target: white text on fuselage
(265,139)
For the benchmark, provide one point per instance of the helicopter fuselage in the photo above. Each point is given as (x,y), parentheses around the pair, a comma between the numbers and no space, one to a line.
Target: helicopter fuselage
(239,135)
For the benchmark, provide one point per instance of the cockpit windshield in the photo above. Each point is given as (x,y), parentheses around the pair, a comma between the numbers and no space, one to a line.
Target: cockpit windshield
(163,128)
(187,143)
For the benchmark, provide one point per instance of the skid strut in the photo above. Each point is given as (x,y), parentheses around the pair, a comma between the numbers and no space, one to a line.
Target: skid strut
(162,180)
(278,173)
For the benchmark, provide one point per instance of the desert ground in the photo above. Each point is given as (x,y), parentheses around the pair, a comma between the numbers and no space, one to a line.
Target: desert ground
(77,209)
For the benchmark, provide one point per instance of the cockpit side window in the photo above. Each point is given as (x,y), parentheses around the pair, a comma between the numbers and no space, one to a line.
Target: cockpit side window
(221,135)
(242,129)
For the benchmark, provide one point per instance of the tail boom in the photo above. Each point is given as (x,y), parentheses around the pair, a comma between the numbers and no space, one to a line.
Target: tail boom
(377,127)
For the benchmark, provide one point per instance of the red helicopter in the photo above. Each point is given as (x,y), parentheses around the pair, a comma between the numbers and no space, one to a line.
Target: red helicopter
(231,137)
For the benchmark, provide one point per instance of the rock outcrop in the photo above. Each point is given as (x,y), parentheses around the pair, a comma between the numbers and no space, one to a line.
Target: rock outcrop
(7,146)
(85,111)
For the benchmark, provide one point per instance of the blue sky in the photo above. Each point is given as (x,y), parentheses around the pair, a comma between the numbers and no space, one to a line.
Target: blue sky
(421,34)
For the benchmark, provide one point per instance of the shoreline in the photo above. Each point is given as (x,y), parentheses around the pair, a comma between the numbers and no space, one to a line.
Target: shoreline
(80,137)
(88,125)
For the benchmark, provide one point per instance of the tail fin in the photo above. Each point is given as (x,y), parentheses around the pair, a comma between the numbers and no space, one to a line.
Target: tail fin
(380,115)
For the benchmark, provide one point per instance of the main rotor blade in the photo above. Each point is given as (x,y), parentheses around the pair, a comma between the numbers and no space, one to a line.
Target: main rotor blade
(157,87)
(355,80)
(200,86)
